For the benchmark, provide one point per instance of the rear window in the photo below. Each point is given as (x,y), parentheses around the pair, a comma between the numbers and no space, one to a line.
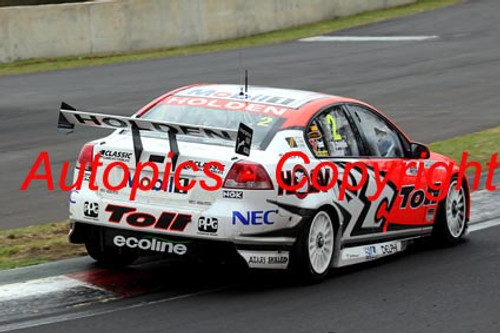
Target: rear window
(263,125)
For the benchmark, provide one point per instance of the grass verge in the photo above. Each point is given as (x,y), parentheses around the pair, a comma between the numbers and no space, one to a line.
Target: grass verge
(36,244)
(480,146)
(37,65)
(42,243)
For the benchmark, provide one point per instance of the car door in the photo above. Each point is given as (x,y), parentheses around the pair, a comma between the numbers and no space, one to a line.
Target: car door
(332,136)
(406,212)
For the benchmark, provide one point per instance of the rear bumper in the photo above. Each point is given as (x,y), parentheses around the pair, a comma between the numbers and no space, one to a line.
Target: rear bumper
(256,252)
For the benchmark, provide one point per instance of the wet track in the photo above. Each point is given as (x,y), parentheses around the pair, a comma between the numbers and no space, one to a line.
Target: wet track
(434,89)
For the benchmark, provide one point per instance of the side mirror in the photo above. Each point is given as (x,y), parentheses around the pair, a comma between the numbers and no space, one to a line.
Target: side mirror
(419,150)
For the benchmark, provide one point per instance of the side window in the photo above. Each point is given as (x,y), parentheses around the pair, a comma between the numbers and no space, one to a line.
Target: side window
(381,139)
(331,135)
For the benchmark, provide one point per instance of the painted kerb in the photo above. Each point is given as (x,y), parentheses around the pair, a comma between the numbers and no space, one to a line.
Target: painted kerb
(131,25)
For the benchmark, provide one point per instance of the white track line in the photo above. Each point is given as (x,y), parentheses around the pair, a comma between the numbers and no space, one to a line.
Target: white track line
(484,225)
(40,287)
(366,38)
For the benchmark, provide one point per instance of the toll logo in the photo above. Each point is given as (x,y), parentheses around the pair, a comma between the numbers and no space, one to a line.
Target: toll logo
(166,221)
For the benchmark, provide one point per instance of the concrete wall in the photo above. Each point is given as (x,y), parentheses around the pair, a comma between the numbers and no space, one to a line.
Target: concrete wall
(129,25)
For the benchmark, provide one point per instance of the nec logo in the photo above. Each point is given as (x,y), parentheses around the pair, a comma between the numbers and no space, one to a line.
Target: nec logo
(255,217)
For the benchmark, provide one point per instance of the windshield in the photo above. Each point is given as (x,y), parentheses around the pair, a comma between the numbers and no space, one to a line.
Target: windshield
(262,124)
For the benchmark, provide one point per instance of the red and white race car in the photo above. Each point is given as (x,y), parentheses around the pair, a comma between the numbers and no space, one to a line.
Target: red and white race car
(279,178)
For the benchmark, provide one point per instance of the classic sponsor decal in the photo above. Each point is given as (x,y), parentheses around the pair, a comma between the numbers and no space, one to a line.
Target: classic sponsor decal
(154,244)
(232,194)
(114,155)
(212,168)
(91,209)
(254,217)
(208,224)
(166,220)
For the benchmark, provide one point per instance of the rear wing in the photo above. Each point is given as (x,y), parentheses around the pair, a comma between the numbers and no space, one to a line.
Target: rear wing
(69,117)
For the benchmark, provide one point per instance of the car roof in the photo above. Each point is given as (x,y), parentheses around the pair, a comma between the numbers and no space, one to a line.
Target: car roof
(295,106)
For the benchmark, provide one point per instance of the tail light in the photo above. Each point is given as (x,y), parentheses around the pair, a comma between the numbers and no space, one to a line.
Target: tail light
(249,176)
(86,156)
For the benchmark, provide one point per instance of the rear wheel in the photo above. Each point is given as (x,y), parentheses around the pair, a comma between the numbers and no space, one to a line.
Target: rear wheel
(107,256)
(451,222)
(313,252)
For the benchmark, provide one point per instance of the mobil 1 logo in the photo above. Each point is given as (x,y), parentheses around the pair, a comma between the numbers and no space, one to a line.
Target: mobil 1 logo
(208,224)
(91,209)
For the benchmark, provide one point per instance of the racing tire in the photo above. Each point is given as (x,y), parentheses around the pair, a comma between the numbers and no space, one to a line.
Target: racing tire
(451,221)
(109,257)
(314,250)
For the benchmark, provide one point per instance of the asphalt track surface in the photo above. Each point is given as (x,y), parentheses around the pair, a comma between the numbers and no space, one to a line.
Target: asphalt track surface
(425,289)
(433,89)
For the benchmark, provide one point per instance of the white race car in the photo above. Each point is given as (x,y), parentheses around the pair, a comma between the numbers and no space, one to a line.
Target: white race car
(279,178)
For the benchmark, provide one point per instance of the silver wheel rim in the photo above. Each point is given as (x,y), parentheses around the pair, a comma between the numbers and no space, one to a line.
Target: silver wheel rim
(321,241)
(455,210)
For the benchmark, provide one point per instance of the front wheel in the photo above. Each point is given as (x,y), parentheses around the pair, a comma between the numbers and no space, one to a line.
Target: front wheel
(313,252)
(451,222)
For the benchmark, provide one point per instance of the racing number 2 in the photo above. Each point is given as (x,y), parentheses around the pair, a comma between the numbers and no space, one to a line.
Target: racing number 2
(264,121)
